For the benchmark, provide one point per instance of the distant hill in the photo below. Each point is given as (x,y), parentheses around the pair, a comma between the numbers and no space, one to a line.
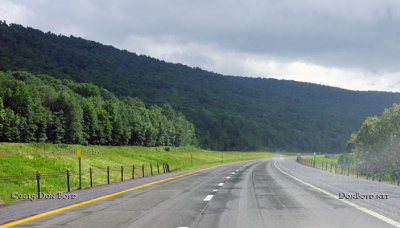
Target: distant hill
(229,113)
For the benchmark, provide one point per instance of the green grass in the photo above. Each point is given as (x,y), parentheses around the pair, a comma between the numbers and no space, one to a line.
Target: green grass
(321,161)
(26,158)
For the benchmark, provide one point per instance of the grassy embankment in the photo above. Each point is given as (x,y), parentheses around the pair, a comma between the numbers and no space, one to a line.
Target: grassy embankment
(322,160)
(54,159)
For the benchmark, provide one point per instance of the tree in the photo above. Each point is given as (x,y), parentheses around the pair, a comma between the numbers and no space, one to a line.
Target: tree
(73,116)
(90,122)
(376,144)
(56,127)
(104,134)
(10,128)
(2,116)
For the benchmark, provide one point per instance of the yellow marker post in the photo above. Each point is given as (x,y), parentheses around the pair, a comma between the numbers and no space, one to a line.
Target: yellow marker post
(79,154)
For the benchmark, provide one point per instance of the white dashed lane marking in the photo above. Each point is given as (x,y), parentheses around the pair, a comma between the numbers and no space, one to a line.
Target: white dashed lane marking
(220,184)
(208,198)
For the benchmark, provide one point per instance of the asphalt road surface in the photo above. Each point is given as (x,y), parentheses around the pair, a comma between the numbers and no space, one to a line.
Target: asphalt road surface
(269,193)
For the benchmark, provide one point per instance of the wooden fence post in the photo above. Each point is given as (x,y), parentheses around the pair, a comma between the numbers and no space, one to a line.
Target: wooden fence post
(68,183)
(38,184)
(108,174)
(91,177)
(122,173)
(151,169)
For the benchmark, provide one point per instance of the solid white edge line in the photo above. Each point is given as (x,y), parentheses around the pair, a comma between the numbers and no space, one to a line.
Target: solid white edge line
(363,209)
(208,197)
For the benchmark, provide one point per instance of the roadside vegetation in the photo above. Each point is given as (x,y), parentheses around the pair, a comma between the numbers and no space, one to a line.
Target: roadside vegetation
(373,152)
(375,147)
(24,159)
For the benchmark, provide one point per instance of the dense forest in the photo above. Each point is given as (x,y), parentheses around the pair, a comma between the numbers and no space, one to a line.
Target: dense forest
(229,113)
(376,145)
(39,108)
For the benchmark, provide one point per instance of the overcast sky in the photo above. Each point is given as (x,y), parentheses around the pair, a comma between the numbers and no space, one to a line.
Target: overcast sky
(353,44)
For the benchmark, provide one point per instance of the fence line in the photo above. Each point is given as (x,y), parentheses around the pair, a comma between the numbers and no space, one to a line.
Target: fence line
(347,169)
(42,176)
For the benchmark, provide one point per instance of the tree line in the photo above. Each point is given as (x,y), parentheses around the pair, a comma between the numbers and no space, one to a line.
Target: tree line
(40,108)
(376,145)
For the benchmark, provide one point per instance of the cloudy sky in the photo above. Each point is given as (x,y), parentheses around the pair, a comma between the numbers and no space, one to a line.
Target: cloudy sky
(353,44)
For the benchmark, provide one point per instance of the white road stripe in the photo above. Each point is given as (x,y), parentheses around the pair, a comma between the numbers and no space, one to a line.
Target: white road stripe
(233,173)
(215,190)
(228,177)
(220,184)
(368,211)
(237,170)
(208,198)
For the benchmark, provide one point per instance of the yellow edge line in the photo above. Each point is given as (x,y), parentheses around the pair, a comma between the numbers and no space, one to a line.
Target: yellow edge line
(98,198)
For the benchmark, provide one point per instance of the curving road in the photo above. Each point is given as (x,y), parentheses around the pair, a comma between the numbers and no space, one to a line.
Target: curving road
(252,194)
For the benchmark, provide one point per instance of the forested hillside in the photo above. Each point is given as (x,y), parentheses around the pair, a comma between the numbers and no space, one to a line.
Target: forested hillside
(235,113)
(43,109)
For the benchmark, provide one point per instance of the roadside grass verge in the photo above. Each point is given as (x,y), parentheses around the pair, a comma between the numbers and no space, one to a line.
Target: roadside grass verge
(322,161)
(337,164)
(22,160)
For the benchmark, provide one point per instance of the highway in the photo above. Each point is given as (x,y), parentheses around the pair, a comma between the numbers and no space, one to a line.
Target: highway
(269,193)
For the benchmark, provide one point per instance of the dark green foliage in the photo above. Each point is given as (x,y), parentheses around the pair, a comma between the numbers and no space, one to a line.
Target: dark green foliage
(40,108)
(11,127)
(2,115)
(230,113)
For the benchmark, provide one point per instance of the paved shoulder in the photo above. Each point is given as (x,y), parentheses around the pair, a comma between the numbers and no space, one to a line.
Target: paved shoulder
(387,205)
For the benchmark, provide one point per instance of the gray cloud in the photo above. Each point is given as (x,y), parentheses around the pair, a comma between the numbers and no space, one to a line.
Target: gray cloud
(360,37)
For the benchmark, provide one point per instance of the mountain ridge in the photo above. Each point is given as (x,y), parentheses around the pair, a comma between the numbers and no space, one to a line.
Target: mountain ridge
(229,112)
